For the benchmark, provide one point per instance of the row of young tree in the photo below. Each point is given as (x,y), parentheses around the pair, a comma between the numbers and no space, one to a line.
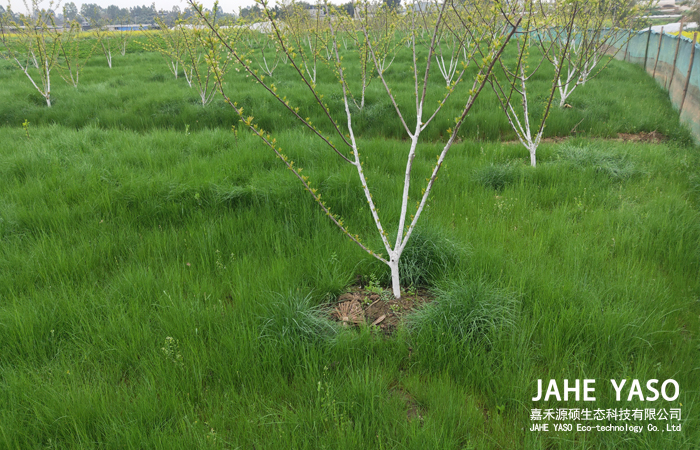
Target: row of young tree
(38,46)
(465,39)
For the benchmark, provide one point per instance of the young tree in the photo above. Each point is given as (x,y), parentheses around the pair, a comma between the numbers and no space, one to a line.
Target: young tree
(168,42)
(597,26)
(263,50)
(198,45)
(306,35)
(491,29)
(32,42)
(453,44)
(381,31)
(73,54)
(124,33)
(572,35)
(510,83)
(104,38)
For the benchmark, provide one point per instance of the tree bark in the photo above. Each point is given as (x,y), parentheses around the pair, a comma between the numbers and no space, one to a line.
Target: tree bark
(394,266)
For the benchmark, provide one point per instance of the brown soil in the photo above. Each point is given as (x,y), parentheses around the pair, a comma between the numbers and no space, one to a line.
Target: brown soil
(362,306)
(653,137)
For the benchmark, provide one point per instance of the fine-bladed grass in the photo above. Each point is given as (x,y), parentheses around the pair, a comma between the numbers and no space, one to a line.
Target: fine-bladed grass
(162,279)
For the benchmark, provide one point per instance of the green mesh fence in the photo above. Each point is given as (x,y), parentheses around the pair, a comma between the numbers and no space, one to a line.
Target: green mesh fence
(675,63)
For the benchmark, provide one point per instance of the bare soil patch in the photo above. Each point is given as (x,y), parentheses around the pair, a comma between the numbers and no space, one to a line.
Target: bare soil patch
(364,306)
(652,137)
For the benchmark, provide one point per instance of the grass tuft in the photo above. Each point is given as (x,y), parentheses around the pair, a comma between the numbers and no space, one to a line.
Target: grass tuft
(464,313)
(292,319)
(429,255)
(497,176)
(616,166)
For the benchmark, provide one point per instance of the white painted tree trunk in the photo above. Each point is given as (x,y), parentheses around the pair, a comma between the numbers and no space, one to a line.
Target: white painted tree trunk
(188,77)
(174,67)
(48,84)
(269,69)
(395,280)
(567,87)
(447,71)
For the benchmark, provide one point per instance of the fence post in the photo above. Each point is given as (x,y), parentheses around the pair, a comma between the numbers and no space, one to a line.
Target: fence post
(675,57)
(658,52)
(627,48)
(690,69)
(646,51)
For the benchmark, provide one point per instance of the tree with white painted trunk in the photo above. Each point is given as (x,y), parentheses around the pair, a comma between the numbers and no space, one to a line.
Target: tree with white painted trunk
(572,36)
(265,53)
(124,33)
(597,26)
(306,36)
(198,45)
(380,27)
(32,42)
(490,30)
(167,42)
(104,39)
(74,58)
(452,48)
(510,82)
(347,30)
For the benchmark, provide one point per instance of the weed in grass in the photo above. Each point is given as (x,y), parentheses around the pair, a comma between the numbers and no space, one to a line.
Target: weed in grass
(326,402)
(505,205)
(171,350)
(373,285)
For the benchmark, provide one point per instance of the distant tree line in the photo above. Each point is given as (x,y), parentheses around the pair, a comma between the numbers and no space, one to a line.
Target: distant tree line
(93,13)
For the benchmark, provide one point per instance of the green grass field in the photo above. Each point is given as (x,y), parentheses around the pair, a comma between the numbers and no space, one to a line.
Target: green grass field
(160,276)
